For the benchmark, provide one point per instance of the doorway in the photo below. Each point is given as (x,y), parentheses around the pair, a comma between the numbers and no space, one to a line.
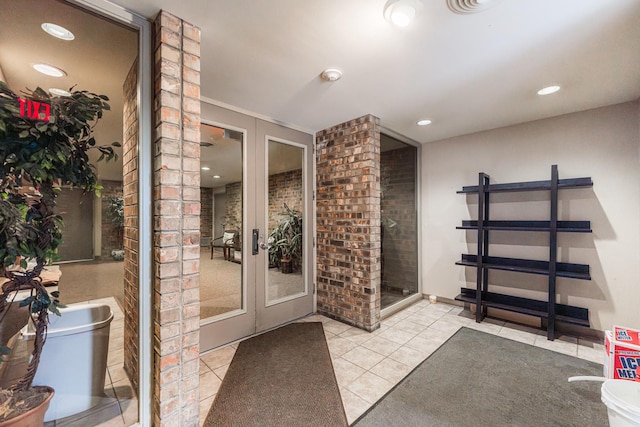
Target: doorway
(256,271)
(399,221)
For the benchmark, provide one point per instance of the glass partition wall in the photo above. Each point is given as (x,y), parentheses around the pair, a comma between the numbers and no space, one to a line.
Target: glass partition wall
(399,220)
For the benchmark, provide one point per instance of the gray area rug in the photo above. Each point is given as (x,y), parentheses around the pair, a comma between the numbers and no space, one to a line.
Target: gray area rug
(479,379)
(280,378)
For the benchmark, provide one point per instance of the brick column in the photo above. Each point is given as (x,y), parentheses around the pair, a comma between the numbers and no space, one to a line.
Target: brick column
(131,225)
(176,201)
(348,222)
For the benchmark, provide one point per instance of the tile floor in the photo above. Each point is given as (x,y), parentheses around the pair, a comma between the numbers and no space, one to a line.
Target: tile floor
(367,365)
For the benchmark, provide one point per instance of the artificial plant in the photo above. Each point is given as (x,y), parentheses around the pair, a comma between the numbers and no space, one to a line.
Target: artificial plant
(286,239)
(44,144)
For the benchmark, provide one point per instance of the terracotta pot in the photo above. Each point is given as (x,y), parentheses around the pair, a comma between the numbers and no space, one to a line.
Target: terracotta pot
(35,416)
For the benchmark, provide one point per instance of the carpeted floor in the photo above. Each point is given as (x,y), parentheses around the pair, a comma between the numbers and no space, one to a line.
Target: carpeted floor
(478,379)
(280,378)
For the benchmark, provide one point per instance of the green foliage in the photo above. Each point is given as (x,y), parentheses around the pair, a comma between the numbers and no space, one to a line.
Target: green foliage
(115,211)
(286,239)
(43,155)
(36,158)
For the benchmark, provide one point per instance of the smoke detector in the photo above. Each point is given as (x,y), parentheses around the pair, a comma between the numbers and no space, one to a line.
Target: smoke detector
(331,74)
(465,7)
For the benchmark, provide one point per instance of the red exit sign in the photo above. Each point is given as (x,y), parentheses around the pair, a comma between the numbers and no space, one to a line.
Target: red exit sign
(34,110)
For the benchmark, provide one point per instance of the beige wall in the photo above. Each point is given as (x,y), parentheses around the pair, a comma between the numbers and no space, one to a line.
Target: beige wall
(603,144)
(2,75)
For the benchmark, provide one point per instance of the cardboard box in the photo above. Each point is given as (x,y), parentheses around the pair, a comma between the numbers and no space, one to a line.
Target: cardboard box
(622,353)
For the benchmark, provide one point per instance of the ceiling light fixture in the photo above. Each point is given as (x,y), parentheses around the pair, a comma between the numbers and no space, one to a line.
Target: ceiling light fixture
(549,90)
(331,74)
(59,92)
(464,7)
(205,168)
(423,122)
(401,12)
(49,70)
(57,31)
(216,177)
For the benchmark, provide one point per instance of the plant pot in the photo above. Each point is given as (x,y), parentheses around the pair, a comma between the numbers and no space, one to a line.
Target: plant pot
(34,417)
(286,266)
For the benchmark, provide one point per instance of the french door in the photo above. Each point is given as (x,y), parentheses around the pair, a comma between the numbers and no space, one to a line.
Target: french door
(256,269)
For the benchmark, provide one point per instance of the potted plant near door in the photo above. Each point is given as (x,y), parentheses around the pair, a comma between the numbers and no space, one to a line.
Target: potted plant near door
(44,144)
(286,241)
(115,213)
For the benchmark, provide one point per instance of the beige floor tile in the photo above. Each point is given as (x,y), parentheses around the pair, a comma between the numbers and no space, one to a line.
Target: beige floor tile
(425,319)
(425,346)
(363,357)
(203,367)
(115,357)
(443,308)
(410,326)
(129,409)
(381,345)
(592,353)
(204,407)
(563,344)
(339,346)
(490,326)
(209,385)
(391,370)
(117,373)
(519,333)
(445,326)
(218,358)
(346,372)
(397,335)
(408,356)
(354,406)
(436,334)
(221,371)
(356,335)
(336,327)
(370,387)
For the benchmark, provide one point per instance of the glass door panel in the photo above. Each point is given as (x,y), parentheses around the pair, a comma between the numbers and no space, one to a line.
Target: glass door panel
(221,181)
(285,277)
(227,296)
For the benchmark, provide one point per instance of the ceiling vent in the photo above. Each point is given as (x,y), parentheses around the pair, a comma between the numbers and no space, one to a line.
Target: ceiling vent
(465,7)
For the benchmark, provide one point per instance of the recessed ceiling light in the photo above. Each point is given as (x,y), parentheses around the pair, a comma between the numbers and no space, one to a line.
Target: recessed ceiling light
(205,168)
(549,90)
(59,92)
(49,70)
(401,12)
(331,74)
(217,176)
(57,31)
(424,122)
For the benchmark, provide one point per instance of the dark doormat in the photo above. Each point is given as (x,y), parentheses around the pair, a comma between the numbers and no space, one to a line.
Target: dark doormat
(479,379)
(281,378)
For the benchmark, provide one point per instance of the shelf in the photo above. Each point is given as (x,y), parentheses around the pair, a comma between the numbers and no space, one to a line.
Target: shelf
(563,226)
(563,269)
(531,307)
(530,186)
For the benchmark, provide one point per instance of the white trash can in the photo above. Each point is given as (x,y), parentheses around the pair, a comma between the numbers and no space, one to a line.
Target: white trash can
(622,398)
(74,358)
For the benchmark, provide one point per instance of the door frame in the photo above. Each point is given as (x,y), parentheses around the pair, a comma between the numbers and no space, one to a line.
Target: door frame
(227,330)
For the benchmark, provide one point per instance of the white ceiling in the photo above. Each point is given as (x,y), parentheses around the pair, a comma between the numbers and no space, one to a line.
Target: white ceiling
(467,73)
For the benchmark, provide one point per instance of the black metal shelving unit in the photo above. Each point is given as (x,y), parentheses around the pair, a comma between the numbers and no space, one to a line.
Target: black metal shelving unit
(549,310)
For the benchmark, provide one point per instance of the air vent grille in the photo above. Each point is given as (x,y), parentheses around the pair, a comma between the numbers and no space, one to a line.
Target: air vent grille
(465,7)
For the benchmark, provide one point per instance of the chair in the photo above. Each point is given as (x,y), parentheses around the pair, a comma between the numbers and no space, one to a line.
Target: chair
(228,242)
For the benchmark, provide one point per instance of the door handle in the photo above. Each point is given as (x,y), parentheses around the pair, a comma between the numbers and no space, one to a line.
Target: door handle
(254,241)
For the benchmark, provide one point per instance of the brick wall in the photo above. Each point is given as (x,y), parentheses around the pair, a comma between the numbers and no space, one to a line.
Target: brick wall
(111,238)
(348,222)
(399,243)
(176,207)
(234,207)
(206,213)
(131,226)
(284,188)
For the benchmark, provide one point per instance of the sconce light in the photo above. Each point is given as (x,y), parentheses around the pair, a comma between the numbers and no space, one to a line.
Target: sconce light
(401,12)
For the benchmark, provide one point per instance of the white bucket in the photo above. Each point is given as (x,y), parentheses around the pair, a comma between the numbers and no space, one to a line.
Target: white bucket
(622,399)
